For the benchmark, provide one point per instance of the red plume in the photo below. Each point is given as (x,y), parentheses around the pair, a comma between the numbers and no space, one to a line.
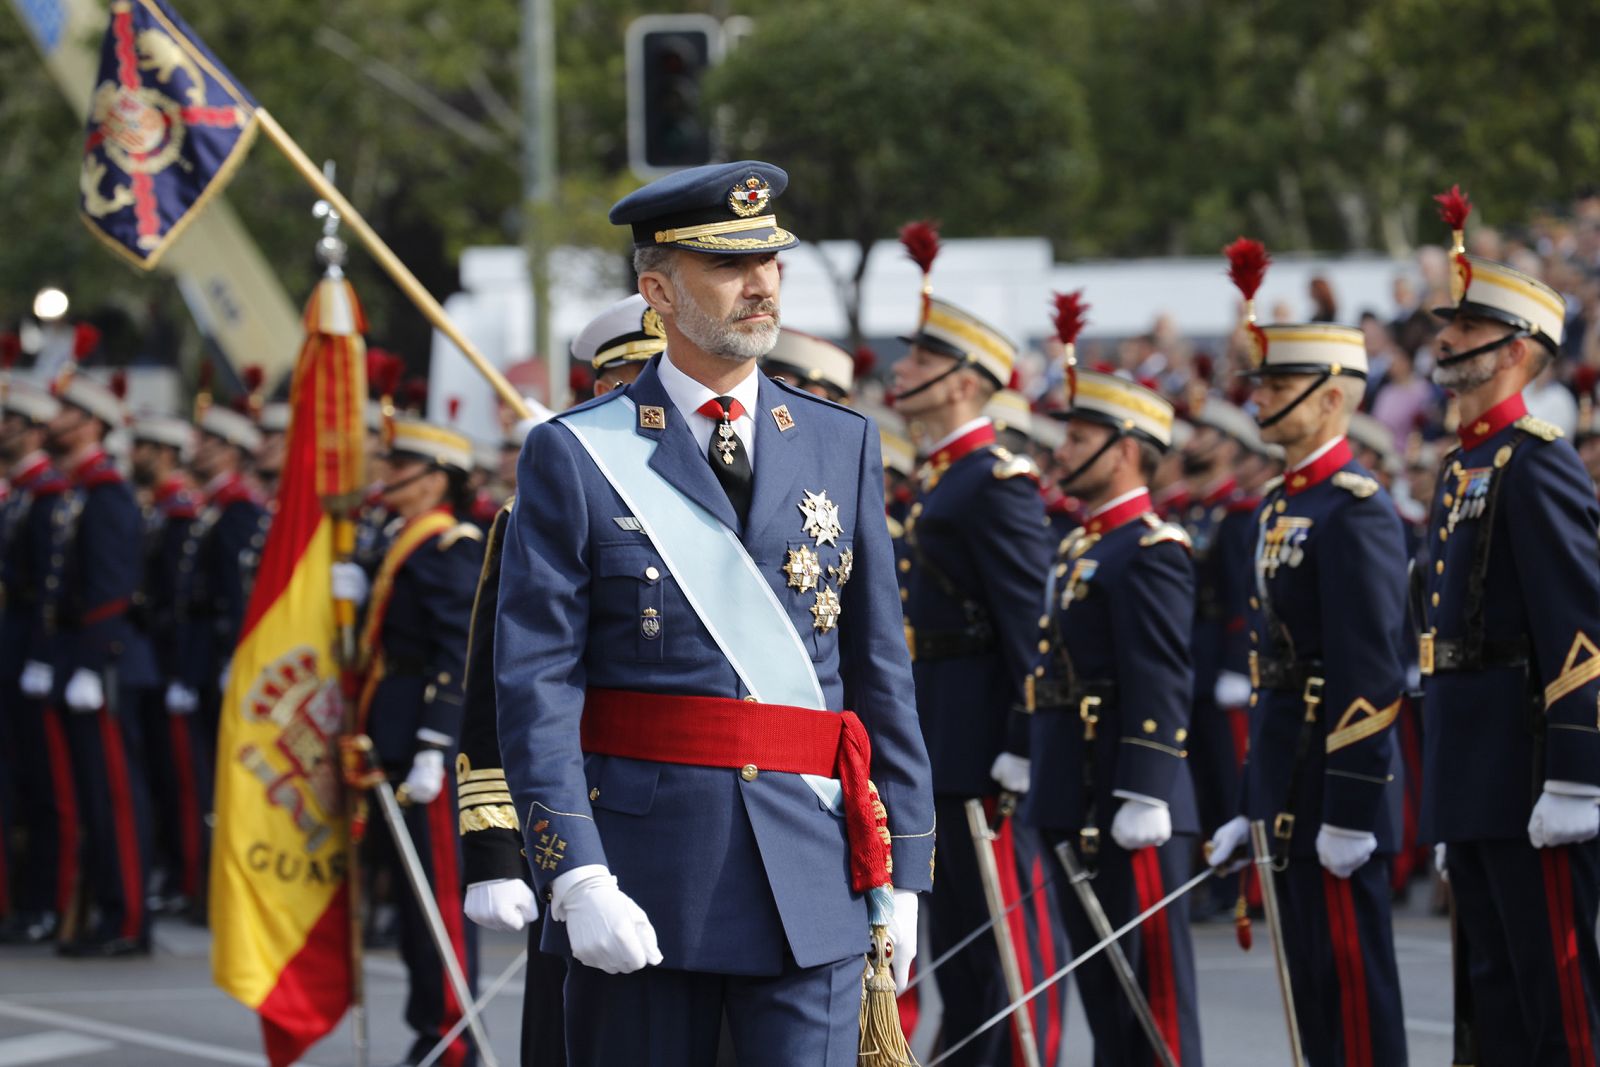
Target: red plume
(1583,380)
(579,378)
(119,384)
(1014,383)
(865,360)
(1071,315)
(383,371)
(922,243)
(453,405)
(85,339)
(416,394)
(10,350)
(253,377)
(1204,366)
(1247,265)
(1454,207)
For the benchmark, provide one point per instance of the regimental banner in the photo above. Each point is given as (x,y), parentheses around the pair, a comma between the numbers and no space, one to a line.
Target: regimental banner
(167,127)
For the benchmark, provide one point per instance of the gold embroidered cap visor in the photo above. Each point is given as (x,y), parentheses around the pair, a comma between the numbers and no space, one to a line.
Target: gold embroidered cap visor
(1490,290)
(1310,348)
(950,331)
(1122,405)
(718,209)
(435,444)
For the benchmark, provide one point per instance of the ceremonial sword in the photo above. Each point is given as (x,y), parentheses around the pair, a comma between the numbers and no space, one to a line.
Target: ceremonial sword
(989,875)
(1078,879)
(1261,846)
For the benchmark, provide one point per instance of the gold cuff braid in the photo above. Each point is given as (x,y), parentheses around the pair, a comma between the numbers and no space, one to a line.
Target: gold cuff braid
(489,817)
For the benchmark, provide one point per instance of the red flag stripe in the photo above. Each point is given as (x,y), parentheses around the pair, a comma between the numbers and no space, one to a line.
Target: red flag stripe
(312,990)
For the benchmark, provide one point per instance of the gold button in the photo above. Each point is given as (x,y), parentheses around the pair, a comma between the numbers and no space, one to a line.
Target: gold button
(1281,506)
(1438,568)
(1180,735)
(1044,646)
(1044,621)
(916,509)
(905,565)
(748,772)
(1436,600)
(1253,699)
(651,573)
(1254,636)
(1444,535)
(1149,726)
(750,698)
(1038,672)
(1448,500)
(1255,604)
(905,594)
(594,794)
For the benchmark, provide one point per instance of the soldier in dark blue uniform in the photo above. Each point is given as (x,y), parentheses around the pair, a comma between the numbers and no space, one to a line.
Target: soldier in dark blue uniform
(177,753)
(1110,698)
(1327,622)
(415,634)
(1510,623)
(44,870)
(104,667)
(977,550)
(696,583)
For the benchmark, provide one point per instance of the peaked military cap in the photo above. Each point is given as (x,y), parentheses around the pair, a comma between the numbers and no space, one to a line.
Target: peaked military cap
(1485,289)
(90,395)
(720,208)
(1121,404)
(165,430)
(1307,348)
(236,429)
(811,359)
(437,445)
(629,331)
(1228,421)
(274,418)
(950,331)
(28,401)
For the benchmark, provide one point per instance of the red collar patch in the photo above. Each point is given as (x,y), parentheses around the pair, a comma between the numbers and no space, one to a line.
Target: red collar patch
(1318,470)
(1120,515)
(1492,421)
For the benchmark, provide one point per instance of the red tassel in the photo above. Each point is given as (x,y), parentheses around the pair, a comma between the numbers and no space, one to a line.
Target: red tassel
(1070,316)
(921,240)
(383,371)
(1454,207)
(867,823)
(1247,265)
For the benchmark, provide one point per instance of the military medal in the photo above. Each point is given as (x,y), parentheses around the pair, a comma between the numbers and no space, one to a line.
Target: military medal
(803,568)
(1471,495)
(826,610)
(821,518)
(650,624)
(847,564)
(726,445)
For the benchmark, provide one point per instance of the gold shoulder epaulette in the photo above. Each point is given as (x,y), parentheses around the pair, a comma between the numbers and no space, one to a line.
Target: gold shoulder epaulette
(1007,465)
(1164,531)
(1270,484)
(460,530)
(1540,428)
(897,529)
(1069,542)
(1357,485)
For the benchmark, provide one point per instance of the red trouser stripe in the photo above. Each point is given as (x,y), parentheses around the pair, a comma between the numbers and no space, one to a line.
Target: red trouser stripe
(1005,855)
(188,803)
(1047,961)
(1345,937)
(1239,727)
(1159,968)
(55,743)
(1564,945)
(442,831)
(128,865)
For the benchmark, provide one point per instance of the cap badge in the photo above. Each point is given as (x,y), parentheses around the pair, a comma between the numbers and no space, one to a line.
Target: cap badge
(821,518)
(749,198)
(652,325)
(1257,343)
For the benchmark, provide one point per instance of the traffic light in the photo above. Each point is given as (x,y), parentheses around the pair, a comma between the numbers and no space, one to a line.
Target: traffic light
(668,56)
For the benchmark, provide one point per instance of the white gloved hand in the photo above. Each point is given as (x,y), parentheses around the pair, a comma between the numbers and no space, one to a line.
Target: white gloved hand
(504,904)
(426,777)
(1439,857)
(903,935)
(84,691)
(1141,824)
(1226,841)
(350,583)
(181,700)
(1562,819)
(37,679)
(1013,772)
(1342,851)
(605,928)
(1232,690)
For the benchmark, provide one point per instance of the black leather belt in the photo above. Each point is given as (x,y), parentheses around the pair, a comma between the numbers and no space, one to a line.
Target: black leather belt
(1046,694)
(930,645)
(1437,655)
(1286,674)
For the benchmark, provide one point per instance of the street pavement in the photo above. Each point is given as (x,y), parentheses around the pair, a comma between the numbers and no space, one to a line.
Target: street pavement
(164,1010)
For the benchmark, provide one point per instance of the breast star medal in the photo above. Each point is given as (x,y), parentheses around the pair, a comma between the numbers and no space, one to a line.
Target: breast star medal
(803,568)
(822,518)
(826,610)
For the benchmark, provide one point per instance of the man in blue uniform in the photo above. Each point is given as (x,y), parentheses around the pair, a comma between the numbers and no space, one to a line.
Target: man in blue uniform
(1510,617)
(1111,698)
(696,584)
(617,344)
(977,547)
(414,636)
(1327,618)
(103,668)
(45,869)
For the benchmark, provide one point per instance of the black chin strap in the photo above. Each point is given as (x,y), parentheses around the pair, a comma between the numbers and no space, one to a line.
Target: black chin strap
(1077,472)
(390,487)
(1322,379)
(931,382)
(1450,361)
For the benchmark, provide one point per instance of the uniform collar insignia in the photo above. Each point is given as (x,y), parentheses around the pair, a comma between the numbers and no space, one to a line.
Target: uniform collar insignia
(781,416)
(652,417)
(967,443)
(1318,470)
(1119,515)
(1492,421)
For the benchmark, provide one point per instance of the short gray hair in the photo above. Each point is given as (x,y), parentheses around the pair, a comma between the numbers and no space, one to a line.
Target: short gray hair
(658,258)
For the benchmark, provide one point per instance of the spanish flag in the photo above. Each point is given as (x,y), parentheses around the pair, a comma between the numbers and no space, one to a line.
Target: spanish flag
(280,905)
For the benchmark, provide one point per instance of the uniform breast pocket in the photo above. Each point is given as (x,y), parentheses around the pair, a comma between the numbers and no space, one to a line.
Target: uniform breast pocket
(640,596)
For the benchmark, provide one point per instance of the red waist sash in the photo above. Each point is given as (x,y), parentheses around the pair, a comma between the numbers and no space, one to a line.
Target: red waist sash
(724,732)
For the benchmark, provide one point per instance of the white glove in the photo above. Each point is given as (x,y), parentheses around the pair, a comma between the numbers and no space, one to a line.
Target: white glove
(1226,841)
(1232,690)
(1141,824)
(37,679)
(84,691)
(903,935)
(1343,851)
(426,777)
(181,700)
(1439,856)
(605,928)
(350,583)
(227,672)
(1560,818)
(1012,772)
(504,904)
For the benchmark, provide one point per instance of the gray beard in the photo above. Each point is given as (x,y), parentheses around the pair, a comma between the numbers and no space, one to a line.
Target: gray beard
(1464,377)
(726,340)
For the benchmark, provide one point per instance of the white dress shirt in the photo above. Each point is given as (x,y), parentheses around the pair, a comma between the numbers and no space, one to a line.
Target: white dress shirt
(688,395)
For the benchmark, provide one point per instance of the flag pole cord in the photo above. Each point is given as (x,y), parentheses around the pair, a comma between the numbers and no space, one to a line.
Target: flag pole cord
(390,262)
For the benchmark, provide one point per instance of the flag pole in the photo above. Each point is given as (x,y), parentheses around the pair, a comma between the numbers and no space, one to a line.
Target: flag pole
(390,262)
